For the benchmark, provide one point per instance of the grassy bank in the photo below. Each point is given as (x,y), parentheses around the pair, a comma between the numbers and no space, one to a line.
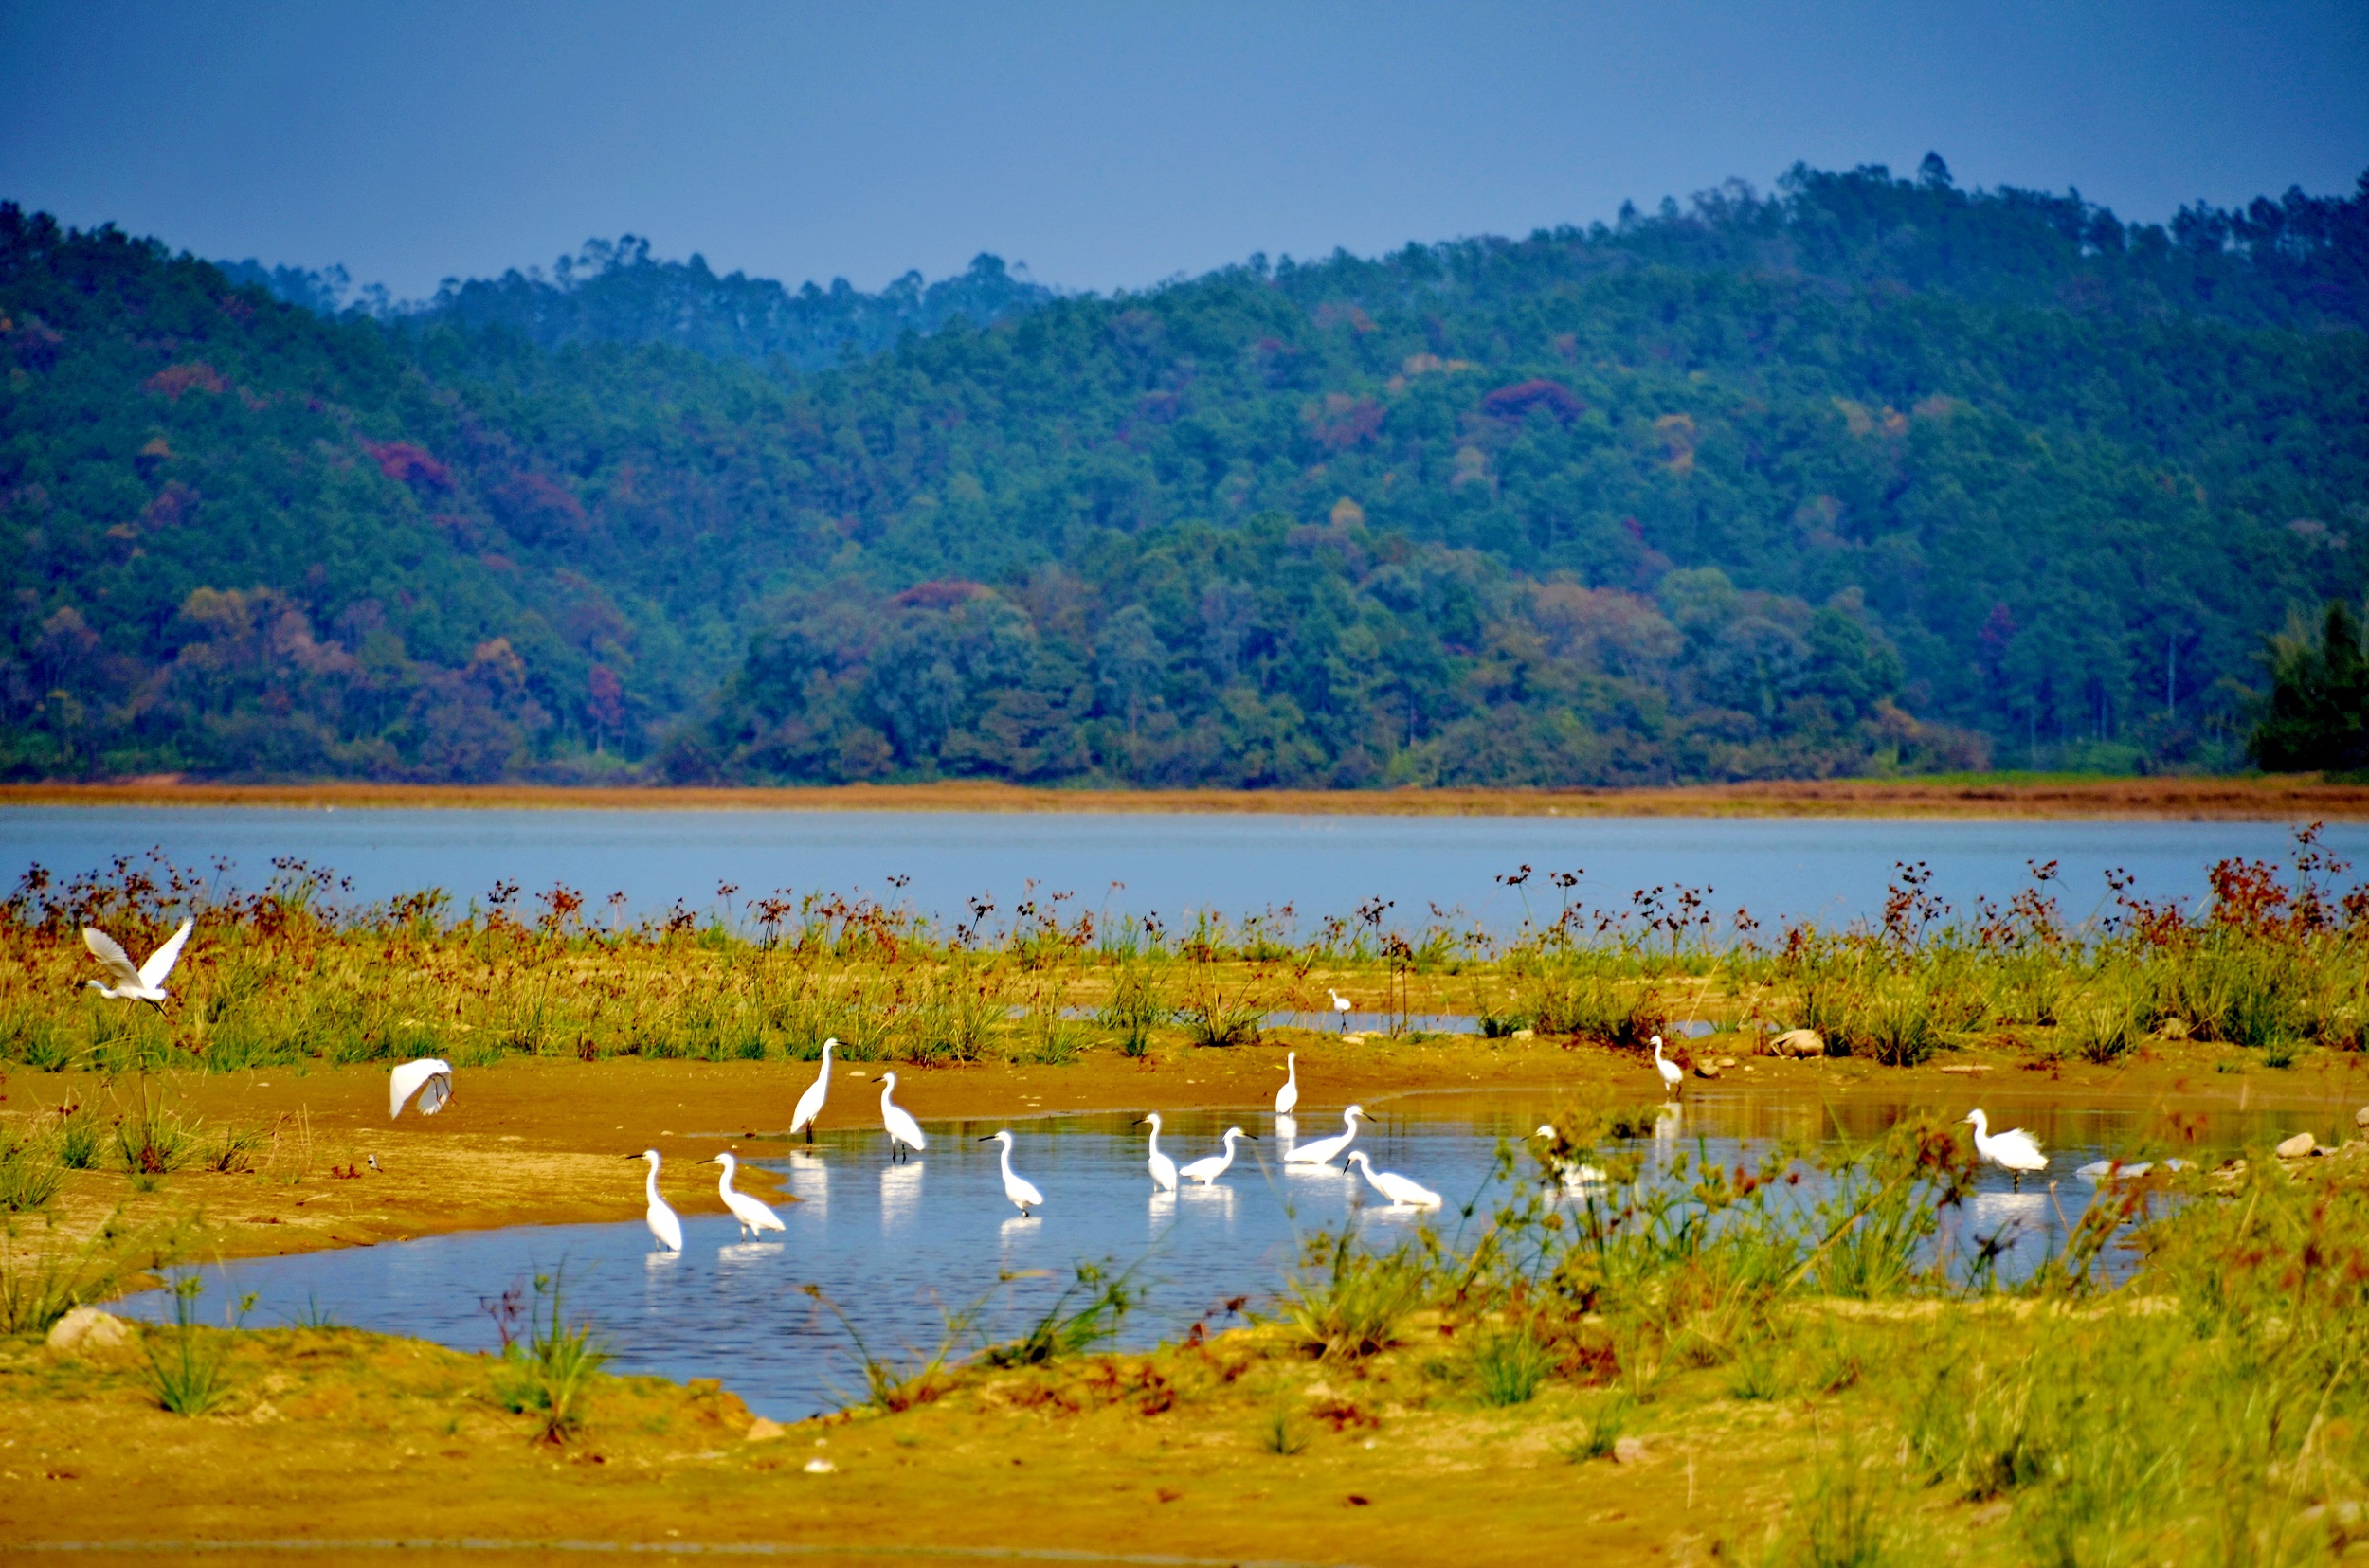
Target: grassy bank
(1702,1367)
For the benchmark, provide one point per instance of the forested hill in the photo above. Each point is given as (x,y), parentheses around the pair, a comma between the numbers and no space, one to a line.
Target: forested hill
(1875,474)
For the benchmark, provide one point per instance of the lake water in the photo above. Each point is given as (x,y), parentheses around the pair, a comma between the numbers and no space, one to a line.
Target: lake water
(899,1247)
(1831,870)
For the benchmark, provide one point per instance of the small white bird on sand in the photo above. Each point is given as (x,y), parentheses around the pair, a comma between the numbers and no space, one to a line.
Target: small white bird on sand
(1405,1194)
(1163,1168)
(1209,1168)
(430,1077)
(1673,1077)
(663,1222)
(2014,1151)
(1289,1096)
(754,1217)
(1340,1007)
(1018,1189)
(810,1103)
(143,984)
(1574,1177)
(1325,1150)
(904,1132)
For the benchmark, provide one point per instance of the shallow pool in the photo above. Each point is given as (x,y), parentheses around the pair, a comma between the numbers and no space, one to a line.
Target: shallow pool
(902,1249)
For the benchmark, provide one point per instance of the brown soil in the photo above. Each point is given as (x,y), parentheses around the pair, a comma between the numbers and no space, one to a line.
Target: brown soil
(2286,797)
(544,1142)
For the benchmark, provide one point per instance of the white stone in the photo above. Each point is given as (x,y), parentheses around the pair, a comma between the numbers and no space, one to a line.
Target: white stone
(87,1329)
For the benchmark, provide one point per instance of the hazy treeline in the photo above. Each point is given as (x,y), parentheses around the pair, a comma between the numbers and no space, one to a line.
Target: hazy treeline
(1873,474)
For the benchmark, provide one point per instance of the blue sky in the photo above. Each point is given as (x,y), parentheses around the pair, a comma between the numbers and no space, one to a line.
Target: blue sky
(1107,145)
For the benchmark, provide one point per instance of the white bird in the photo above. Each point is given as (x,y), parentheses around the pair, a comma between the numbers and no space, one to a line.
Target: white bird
(1163,1168)
(754,1217)
(1289,1096)
(1209,1168)
(810,1103)
(1340,1007)
(904,1132)
(144,983)
(1324,1150)
(2014,1151)
(1572,1176)
(1016,1188)
(1673,1075)
(1406,1194)
(663,1222)
(430,1077)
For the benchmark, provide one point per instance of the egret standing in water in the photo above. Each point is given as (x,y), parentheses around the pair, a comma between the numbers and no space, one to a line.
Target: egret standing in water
(1207,1170)
(144,983)
(1324,1150)
(1574,1177)
(1016,1188)
(810,1103)
(430,1077)
(1340,1007)
(2014,1151)
(1397,1188)
(663,1222)
(1289,1096)
(754,1217)
(1163,1168)
(904,1132)
(1673,1075)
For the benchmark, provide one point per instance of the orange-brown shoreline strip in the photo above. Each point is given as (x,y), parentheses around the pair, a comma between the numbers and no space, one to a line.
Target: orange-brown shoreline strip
(2296,798)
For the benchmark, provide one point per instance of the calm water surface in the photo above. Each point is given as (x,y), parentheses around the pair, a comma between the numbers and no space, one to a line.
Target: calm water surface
(900,1247)
(1171,864)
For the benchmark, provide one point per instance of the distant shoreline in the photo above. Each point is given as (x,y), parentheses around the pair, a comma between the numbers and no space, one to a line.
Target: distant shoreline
(2293,797)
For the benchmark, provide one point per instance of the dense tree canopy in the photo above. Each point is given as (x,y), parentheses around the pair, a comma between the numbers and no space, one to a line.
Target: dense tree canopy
(1874,474)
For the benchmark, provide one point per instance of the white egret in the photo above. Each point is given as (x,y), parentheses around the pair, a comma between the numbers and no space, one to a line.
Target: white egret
(1163,1168)
(810,1103)
(2014,1151)
(1340,1007)
(1209,1168)
(663,1222)
(1289,1096)
(756,1218)
(1325,1150)
(145,983)
(1018,1189)
(1573,1177)
(904,1132)
(1406,1194)
(430,1077)
(1673,1075)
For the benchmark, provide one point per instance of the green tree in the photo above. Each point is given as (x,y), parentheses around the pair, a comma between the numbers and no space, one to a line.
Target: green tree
(2317,715)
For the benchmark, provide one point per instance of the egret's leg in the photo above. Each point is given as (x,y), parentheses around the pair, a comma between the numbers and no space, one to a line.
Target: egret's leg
(809,1129)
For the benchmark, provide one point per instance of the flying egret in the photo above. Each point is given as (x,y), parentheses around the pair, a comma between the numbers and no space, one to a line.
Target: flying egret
(663,1222)
(1208,1169)
(143,984)
(2014,1151)
(1401,1192)
(810,1103)
(753,1216)
(1289,1096)
(1016,1188)
(1340,1007)
(430,1077)
(904,1132)
(1673,1075)
(1163,1168)
(1573,1177)
(1324,1150)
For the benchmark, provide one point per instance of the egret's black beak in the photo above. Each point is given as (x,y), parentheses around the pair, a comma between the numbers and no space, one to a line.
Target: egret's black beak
(988,1138)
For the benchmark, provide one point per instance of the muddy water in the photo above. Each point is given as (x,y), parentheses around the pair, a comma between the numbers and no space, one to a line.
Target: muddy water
(903,1247)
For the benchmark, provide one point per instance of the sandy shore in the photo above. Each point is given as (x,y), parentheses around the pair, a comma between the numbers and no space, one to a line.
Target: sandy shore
(544,1142)
(2298,797)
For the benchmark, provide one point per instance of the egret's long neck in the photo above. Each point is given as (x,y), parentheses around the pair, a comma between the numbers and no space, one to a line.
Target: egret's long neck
(724,1182)
(1005,1156)
(649,1184)
(1292,1074)
(1155,1139)
(823,1078)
